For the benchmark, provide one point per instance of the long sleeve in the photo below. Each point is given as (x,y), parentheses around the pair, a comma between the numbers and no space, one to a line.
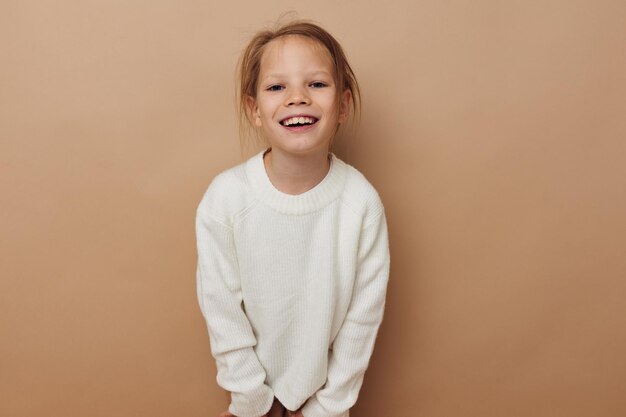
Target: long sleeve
(232,339)
(354,343)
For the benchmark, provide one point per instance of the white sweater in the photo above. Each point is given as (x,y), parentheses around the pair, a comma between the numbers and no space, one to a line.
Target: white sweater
(292,287)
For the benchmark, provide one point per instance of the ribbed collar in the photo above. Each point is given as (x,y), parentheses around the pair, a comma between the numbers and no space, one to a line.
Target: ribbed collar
(314,199)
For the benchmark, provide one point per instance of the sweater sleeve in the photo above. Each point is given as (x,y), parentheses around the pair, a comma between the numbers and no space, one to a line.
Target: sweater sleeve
(232,339)
(354,343)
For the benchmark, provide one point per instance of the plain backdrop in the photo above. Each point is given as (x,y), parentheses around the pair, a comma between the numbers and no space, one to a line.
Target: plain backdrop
(495,132)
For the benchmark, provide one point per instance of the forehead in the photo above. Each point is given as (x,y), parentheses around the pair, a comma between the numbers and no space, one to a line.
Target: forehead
(295,52)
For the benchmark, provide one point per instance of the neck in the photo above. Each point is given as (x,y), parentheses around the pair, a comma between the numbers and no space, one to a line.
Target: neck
(295,174)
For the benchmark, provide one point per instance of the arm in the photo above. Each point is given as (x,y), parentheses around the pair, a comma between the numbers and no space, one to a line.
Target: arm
(353,346)
(232,339)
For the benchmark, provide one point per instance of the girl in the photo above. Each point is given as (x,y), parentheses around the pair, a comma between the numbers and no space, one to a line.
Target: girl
(293,257)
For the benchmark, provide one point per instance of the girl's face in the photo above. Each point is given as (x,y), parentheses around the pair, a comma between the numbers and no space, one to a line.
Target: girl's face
(295,106)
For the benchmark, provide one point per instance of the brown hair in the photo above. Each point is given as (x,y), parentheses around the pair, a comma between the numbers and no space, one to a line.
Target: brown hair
(250,65)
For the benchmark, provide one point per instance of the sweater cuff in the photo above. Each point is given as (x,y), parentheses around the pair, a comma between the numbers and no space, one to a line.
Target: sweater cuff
(313,408)
(252,404)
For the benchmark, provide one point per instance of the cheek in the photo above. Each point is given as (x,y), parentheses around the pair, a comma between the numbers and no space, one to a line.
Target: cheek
(333,107)
(331,101)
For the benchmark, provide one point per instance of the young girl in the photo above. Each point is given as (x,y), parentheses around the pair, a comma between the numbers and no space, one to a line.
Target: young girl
(293,257)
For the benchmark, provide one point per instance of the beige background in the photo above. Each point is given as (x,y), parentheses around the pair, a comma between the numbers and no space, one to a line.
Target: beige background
(494,131)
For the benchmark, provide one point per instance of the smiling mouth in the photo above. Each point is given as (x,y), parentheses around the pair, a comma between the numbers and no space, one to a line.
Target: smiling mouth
(298,121)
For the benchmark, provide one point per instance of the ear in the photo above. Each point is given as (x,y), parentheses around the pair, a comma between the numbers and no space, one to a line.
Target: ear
(344,106)
(253,111)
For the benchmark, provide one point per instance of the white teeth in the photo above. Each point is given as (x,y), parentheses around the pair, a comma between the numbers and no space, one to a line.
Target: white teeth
(298,120)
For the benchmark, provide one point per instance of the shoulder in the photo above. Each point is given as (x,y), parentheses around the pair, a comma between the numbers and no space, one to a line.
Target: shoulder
(227,195)
(361,196)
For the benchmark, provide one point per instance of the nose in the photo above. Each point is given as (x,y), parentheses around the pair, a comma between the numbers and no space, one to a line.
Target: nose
(297,97)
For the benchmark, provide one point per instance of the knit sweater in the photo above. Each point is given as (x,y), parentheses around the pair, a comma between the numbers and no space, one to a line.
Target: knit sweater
(292,287)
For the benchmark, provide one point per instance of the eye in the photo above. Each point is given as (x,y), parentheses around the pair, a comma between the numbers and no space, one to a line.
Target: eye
(318,84)
(275,87)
